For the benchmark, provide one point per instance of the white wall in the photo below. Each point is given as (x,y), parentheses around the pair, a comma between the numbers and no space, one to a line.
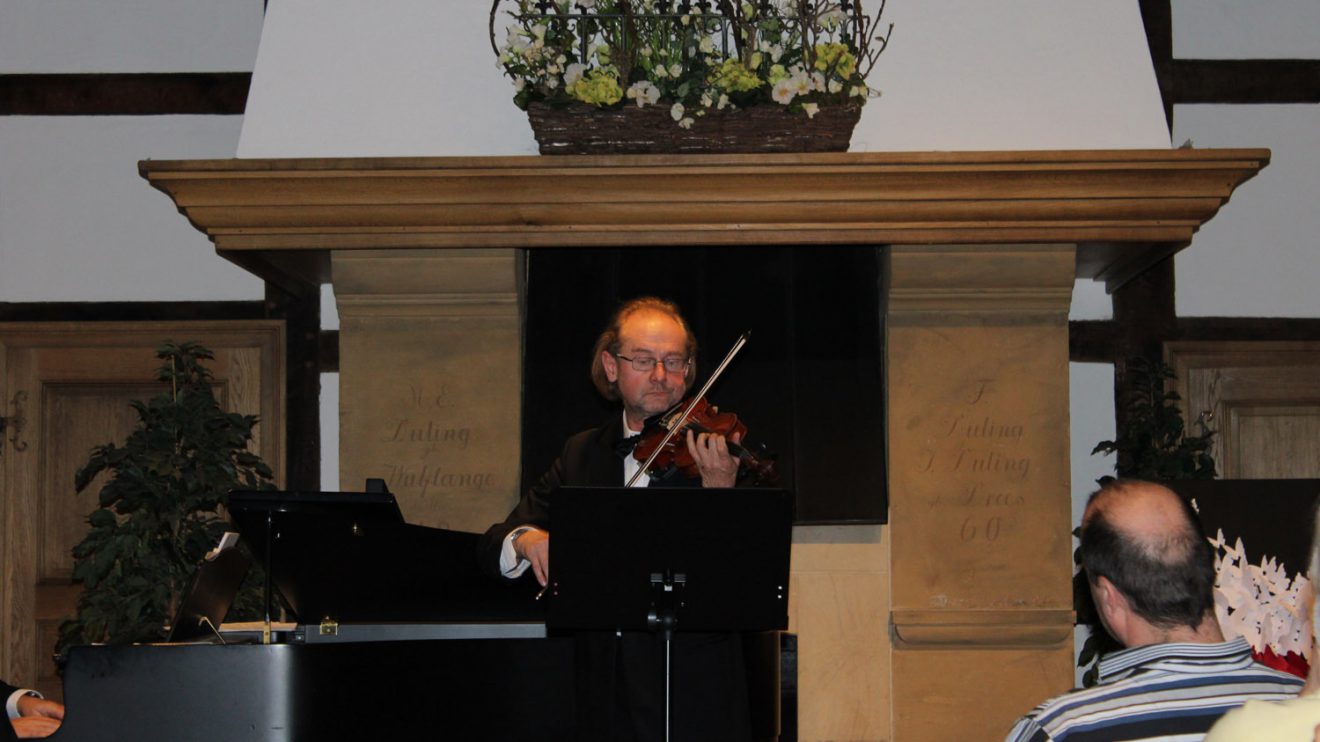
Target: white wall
(43,36)
(1234,29)
(1257,257)
(77,222)
(416,77)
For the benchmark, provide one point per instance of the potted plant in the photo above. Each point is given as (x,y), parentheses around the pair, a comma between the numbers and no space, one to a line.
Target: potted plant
(614,76)
(160,510)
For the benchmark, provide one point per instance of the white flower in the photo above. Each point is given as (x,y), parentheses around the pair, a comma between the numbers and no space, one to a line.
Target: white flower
(685,123)
(811,109)
(539,31)
(552,83)
(516,40)
(685,19)
(644,92)
(857,91)
(755,61)
(660,72)
(817,81)
(675,70)
(645,51)
(519,84)
(676,111)
(835,86)
(782,92)
(706,100)
(574,73)
(801,83)
(707,44)
(776,52)
(723,101)
(1260,604)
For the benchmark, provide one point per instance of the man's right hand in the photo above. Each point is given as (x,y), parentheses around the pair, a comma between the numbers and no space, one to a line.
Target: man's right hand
(534,546)
(34,727)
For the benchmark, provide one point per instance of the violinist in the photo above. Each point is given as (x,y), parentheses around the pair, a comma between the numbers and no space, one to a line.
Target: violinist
(645,359)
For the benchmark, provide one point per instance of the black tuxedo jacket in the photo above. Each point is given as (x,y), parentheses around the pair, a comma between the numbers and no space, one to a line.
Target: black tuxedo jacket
(6,729)
(591,458)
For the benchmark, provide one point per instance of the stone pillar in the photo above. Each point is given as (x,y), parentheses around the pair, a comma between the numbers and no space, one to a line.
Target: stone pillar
(430,379)
(977,364)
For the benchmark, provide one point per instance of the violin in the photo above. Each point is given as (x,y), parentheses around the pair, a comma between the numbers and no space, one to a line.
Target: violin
(664,437)
(663,447)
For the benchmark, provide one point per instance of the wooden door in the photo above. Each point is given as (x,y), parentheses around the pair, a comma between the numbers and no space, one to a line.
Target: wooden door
(66,388)
(1261,398)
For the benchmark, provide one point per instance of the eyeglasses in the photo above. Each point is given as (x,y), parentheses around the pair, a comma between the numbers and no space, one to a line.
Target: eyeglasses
(646,365)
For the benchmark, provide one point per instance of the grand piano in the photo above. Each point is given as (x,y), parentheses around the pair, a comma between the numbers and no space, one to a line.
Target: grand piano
(435,650)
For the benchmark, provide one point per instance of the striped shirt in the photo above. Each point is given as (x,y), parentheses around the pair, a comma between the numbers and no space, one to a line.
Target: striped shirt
(1171,692)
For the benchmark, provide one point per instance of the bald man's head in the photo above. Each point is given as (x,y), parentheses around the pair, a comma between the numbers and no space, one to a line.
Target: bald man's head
(1145,539)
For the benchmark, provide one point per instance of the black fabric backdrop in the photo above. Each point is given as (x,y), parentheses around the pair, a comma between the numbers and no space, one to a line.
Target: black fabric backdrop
(809,384)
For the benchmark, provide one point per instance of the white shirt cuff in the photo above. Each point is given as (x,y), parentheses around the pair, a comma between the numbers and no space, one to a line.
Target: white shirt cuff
(510,565)
(11,704)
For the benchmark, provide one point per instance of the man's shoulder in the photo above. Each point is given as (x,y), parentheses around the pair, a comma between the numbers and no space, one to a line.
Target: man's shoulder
(605,434)
(1193,700)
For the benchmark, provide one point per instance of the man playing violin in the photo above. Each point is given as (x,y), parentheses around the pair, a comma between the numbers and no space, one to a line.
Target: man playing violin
(645,359)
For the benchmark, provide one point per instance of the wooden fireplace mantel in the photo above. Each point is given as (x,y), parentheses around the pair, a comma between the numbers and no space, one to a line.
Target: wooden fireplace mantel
(1124,209)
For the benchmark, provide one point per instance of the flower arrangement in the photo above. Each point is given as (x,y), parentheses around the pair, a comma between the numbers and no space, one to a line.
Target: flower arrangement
(691,58)
(1264,605)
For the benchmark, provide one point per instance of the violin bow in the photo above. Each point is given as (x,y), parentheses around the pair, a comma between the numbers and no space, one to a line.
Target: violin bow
(687,411)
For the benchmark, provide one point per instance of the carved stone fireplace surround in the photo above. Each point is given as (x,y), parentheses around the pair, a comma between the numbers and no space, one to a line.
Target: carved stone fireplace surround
(944,624)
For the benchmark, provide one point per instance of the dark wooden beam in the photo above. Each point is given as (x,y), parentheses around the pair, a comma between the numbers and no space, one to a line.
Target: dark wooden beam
(302,316)
(1091,341)
(1227,329)
(1157,15)
(328,351)
(1144,317)
(1095,341)
(130,311)
(146,94)
(1244,81)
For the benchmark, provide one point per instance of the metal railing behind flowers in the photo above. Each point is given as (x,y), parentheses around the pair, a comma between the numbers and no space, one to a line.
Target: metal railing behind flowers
(618,33)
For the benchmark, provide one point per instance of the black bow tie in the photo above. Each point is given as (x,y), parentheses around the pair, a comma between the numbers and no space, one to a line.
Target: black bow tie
(626,445)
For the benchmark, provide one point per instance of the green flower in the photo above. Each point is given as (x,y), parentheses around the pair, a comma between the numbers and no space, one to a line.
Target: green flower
(734,77)
(598,88)
(835,56)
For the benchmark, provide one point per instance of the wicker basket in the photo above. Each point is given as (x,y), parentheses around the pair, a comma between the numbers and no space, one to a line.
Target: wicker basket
(579,129)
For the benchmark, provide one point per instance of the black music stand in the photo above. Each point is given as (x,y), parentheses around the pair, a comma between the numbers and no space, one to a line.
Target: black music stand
(215,584)
(666,560)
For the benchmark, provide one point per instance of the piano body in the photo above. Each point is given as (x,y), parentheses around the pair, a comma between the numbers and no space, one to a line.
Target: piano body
(401,636)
